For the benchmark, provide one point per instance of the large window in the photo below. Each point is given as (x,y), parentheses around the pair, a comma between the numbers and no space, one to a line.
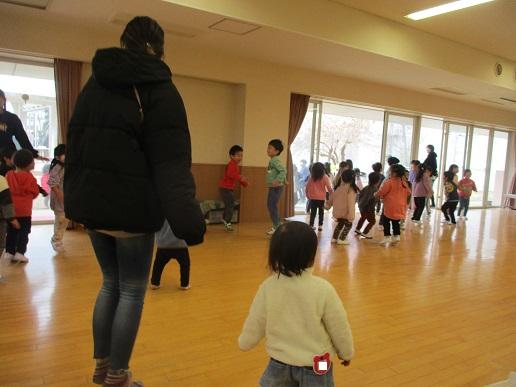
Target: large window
(497,171)
(399,138)
(349,132)
(333,132)
(30,92)
(478,163)
(431,133)
(456,146)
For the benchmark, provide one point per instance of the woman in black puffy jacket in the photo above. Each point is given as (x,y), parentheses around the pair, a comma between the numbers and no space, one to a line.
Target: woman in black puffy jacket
(127,170)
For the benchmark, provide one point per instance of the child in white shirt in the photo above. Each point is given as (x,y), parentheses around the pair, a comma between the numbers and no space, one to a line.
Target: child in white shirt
(301,315)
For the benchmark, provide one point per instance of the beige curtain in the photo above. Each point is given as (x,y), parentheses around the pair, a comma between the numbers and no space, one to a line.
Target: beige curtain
(68,86)
(298,107)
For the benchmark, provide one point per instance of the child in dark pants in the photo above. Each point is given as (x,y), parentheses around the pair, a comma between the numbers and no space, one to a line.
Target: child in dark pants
(366,205)
(24,189)
(170,247)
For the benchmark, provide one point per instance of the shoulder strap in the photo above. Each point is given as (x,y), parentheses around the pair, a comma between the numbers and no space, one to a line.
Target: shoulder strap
(137,95)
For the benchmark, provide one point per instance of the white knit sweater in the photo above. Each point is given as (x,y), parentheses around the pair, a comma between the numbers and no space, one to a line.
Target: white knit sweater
(300,316)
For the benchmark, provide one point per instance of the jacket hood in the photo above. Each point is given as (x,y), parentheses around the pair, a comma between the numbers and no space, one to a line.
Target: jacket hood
(432,155)
(120,67)
(19,181)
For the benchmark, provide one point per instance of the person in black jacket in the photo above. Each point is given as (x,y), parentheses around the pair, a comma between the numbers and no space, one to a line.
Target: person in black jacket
(431,163)
(11,126)
(127,168)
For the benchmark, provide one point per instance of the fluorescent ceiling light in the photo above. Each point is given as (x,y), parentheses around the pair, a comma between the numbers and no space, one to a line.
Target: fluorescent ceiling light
(445,8)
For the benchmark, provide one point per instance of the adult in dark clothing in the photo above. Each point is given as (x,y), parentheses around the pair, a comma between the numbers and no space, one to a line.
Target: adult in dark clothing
(431,163)
(11,126)
(127,169)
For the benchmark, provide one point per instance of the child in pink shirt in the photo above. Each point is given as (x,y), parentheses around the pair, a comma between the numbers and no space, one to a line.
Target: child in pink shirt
(394,192)
(466,188)
(316,188)
(343,201)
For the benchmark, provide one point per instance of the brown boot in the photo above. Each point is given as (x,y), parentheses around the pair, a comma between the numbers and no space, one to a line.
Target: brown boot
(101,371)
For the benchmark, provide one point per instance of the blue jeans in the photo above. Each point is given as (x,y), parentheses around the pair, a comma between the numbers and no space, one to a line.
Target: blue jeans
(464,205)
(272,204)
(125,265)
(282,375)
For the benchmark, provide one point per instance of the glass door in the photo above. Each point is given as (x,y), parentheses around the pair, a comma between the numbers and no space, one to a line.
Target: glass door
(400,130)
(478,163)
(496,176)
(455,147)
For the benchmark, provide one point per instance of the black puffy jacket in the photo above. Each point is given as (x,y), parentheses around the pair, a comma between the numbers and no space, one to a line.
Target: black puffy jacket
(123,174)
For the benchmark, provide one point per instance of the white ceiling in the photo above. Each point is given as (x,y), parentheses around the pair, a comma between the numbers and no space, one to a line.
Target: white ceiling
(272,45)
(489,27)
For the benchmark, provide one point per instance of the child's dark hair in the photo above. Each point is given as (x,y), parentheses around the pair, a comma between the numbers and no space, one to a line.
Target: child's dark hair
(349,177)
(415,162)
(317,172)
(431,147)
(23,158)
(277,144)
(421,171)
(235,149)
(467,171)
(452,167)
(448,176)
(59,151)
(143,33)
(393,160)
(292,249)
(343,164)
(327,168)
(377,167)
(374,178)
(397,170)
(7,152)
(350,163)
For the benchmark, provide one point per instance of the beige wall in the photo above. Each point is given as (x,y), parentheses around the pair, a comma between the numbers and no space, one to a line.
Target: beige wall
(266,90)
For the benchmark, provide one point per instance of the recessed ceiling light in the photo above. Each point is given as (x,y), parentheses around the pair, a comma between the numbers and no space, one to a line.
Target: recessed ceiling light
(445,8)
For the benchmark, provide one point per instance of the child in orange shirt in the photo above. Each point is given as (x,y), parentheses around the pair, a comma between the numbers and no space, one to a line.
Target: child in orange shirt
(394,192)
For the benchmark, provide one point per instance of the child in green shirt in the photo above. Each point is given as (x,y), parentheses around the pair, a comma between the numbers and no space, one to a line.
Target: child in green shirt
(276,176)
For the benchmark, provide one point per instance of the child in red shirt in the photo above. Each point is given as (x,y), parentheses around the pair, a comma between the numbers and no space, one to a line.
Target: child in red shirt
(24,189)
(394,192)
(227,184)
(466,188)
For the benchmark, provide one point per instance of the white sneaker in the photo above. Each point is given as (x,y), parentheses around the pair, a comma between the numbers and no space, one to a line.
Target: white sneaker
(228,226)
(396,239)
(386,240)
(366,236)
(7,256)
(271,231)
(320,228)
(334,241)
(344,242)
(402,226)
(20,258)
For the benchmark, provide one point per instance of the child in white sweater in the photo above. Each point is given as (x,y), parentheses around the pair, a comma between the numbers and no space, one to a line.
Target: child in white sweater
(301,315)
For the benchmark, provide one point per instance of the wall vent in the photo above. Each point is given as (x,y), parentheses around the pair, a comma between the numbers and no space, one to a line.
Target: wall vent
(38,4)
(491,101)
(234,27)
(449,91)
(508,99)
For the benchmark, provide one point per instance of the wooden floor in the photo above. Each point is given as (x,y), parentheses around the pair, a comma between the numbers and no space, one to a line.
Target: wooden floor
(437,310)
